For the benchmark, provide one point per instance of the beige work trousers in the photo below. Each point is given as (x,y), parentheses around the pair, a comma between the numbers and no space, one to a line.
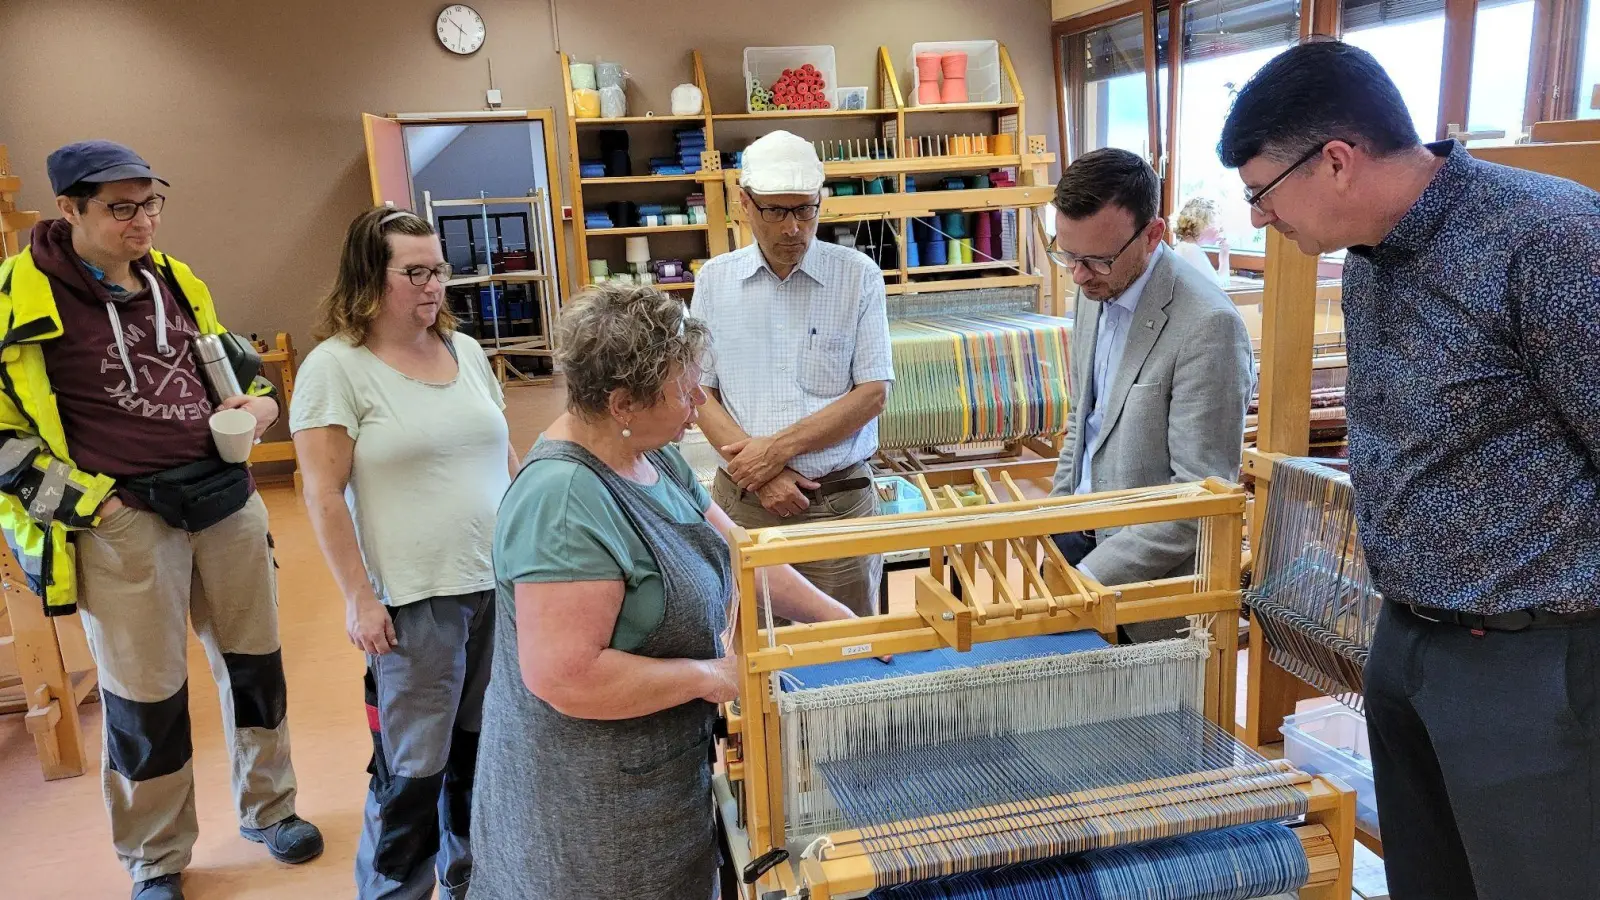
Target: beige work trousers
(139,581)
(852,581)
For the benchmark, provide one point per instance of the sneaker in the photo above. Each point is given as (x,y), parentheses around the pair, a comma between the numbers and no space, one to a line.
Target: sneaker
(161,887)
(293,841)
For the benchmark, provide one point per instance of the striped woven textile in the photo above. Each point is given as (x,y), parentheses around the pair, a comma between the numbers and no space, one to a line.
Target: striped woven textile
(974,377)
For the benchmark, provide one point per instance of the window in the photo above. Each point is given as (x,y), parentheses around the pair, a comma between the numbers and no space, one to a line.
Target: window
(1589,70)
(1407,38)
(1108,103)
(1224,43)
(1502,45)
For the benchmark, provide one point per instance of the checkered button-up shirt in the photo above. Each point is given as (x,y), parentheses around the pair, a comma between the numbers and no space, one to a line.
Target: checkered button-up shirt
(781,350)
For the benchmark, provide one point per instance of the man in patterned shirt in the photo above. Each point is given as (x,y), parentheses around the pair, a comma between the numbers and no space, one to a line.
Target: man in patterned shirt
(1471,294)
(799,368)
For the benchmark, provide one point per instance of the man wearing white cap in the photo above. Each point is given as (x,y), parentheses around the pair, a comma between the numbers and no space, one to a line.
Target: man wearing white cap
(800,366)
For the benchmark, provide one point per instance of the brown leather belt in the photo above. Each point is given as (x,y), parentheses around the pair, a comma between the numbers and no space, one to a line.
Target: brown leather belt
(836,482)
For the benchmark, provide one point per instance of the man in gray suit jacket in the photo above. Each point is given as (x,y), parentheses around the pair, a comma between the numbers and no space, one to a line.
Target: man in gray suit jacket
(1161,366)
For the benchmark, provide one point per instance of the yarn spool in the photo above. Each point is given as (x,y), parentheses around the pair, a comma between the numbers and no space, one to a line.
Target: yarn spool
(934,253)
(954,88)
(613,103)
(686,100)
(586,104)
(638,252)
(624,214)
(599,269)
(1003,144)
(582,77)
(965,246)
(952,251)
(677,219)
(954,225)
(913,256)
(608,75)
(982,238)
(928,66)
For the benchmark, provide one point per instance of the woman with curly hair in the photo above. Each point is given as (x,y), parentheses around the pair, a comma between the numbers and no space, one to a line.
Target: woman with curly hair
(613,586)
(1200,225)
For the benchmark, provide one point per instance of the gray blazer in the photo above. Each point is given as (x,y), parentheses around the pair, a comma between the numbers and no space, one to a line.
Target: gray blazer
(1175,413)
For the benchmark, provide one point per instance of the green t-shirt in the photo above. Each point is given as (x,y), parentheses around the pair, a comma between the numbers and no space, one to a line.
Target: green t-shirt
(559,523)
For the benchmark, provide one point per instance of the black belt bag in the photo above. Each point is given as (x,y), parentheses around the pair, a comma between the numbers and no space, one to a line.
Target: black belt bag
(196,496)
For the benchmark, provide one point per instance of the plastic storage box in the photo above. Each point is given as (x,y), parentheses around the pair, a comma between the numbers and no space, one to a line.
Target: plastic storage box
(1332,740)
(983,69)
(907,499)
(765,65)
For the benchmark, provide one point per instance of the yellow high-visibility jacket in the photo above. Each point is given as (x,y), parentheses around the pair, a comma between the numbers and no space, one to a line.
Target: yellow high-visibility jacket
(43,496)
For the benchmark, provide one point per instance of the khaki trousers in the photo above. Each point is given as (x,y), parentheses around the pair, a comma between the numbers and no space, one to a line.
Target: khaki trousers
(141,583)
(852,581)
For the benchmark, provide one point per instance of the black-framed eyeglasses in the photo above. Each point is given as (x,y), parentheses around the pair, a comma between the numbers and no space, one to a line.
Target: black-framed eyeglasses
(805,212)
(419,275)
(1254,198)
(124,212)
(1099,265)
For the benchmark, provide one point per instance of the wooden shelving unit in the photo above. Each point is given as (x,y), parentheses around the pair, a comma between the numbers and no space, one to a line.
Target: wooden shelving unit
(899,206)
(726,229)
(586,190)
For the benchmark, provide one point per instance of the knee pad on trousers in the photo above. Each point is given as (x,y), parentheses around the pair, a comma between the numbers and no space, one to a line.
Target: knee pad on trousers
(147,740)
(260,696)
(460,772)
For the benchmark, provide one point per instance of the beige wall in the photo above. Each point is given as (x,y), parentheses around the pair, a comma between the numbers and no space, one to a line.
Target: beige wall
(252,109)
(1066,9)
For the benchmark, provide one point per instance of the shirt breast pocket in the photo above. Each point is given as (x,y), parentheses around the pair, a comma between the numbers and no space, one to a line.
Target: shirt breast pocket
(824,366)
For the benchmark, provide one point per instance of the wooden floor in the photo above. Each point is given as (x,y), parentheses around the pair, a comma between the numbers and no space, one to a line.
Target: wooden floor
(54,837)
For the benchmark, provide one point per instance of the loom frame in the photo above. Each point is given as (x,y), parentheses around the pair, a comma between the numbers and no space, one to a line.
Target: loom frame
(963,539)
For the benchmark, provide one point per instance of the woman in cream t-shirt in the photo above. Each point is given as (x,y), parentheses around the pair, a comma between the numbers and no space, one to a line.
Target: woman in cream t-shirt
(400,430)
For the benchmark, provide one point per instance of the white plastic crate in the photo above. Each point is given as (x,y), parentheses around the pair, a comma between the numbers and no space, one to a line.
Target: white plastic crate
(765,65)
(983,69)
(1332,740)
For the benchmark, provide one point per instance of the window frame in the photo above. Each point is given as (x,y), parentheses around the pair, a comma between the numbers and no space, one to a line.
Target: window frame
(1554,68)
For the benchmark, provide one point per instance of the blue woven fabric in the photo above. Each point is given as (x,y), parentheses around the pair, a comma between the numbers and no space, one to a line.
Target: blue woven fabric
(1227,864)
(943,660)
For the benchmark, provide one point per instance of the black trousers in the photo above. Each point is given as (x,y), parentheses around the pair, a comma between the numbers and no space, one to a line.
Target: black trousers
(1486,755)
(1074,545)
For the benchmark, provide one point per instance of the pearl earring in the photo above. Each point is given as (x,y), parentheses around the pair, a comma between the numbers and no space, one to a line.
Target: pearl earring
(627,432)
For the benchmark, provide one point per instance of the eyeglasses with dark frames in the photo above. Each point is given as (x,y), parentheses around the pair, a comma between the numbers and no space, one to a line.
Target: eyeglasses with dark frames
(805,212)
(1099,265)
(1254,198)
(419,275)
(125,211)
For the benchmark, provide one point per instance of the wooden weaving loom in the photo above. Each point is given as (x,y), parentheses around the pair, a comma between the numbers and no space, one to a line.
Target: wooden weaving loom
(952,743)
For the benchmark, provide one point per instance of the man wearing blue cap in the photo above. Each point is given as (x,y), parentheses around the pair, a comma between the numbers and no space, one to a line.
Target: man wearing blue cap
(117,504)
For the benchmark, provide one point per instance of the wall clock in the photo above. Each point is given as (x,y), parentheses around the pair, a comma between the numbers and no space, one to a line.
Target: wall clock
(460,29)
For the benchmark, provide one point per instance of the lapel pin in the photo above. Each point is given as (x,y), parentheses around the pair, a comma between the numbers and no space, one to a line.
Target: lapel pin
(1149,323)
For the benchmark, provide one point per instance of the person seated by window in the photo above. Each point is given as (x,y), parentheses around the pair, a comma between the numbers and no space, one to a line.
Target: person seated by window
(1199,227)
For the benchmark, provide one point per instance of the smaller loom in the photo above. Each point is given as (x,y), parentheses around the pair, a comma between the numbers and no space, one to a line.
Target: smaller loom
(1312,595)
(1009,750)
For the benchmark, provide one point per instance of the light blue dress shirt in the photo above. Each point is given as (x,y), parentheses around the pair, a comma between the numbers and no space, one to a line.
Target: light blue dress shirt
(1112,336)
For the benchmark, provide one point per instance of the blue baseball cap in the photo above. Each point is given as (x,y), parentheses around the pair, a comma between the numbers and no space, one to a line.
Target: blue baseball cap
(96,162)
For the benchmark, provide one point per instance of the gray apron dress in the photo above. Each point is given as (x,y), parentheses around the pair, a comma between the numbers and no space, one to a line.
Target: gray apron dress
(569,808)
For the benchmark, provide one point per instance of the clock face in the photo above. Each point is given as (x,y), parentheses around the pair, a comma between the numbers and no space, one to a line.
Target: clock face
(460,29)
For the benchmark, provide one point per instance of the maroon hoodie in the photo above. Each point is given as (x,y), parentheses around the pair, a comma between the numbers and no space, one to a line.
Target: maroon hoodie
(114,426)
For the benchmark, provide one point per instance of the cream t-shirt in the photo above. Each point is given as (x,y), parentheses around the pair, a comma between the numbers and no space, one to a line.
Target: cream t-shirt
(431,464)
